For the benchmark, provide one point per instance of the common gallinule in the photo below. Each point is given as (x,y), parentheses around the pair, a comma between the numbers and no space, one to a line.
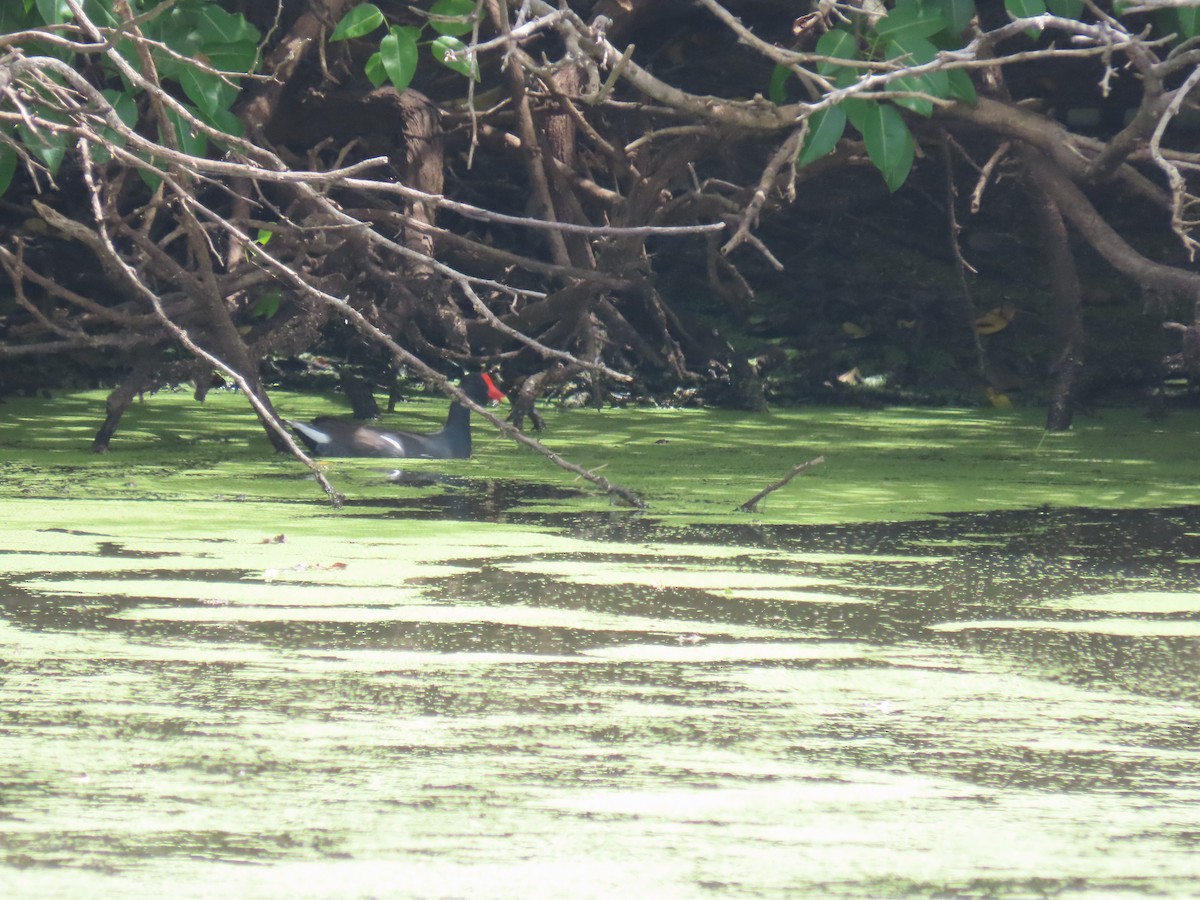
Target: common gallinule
(327,436)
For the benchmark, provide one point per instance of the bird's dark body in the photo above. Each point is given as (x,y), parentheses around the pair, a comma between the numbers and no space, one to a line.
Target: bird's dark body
(328,436)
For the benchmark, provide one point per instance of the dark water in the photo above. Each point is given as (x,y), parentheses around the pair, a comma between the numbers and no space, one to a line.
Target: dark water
(974,706)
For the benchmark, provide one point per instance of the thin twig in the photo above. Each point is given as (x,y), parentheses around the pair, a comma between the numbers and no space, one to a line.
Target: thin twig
(751,505)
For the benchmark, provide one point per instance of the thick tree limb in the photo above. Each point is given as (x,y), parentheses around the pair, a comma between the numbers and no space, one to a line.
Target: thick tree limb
(1079,211)
(1053,140)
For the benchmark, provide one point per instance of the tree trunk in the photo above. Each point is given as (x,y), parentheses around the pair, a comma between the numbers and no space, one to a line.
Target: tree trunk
(1067,311)
(359,393)
(122,395)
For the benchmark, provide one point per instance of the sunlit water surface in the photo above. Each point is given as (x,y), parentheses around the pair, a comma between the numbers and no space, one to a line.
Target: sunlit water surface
(973,706)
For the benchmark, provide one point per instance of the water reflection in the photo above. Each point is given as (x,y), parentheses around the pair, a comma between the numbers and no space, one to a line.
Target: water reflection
(969,706)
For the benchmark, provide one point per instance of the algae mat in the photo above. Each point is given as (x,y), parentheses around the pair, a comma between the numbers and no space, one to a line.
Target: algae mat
(481,680)
(269,699)
(697,463)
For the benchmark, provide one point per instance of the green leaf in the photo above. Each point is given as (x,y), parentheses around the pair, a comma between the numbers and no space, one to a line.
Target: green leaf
(99,154)
(912,50)
(363,19)
(219,27)
(399,53)
(128,51)
(224,120)
(376,73)
(911,21)
(150,179)
(48,146)
(1024,9)
(100,12)
(958,14)
(44,48)
(825,129)
(126,109)
(919,105)
(1072,9)
(167,66)
(1189,20)
(178,30)
(53,12)
(838,44)
(961,86)
(918,50)
(889,143)
(453,17)
(8,167)
(263,237)
(239,56)
(194,143)
(209,92)
(14,18)
(856,108)
(123,104)
(778,89)
(268,304)
(857,111)
(444,46)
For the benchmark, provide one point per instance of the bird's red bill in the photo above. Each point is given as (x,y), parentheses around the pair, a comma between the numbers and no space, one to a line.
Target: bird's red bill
(494,393)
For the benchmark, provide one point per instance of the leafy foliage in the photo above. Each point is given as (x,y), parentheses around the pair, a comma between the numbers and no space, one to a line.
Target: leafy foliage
(889,143)
(358,22)
(452,17)
(1024,9)
(398,55)
(198,46)
(1188,18)
(826,128)
(205,52)
(911,34)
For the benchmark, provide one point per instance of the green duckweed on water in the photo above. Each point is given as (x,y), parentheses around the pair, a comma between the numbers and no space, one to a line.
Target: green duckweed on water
(882,465)
(956,660)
